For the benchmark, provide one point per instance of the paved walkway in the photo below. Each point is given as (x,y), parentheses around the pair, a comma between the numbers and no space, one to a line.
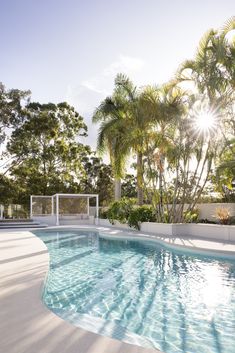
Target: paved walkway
(26,325)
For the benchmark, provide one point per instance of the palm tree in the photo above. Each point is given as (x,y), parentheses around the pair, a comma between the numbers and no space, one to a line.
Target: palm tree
(163,105)
(112,127)
(130,119)
(212,69)
(123,127)
(138,124)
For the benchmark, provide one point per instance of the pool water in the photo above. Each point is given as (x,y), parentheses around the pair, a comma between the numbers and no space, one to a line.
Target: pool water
(140,292)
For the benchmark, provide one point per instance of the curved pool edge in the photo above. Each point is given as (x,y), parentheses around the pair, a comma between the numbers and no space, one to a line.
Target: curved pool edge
(27,325)
(191,246)
(188,245)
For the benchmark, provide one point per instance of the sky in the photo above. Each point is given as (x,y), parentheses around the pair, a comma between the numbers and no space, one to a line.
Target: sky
(71,50)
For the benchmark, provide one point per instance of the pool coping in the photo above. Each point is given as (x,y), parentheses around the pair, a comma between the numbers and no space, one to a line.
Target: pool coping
(26,325)
(186,244)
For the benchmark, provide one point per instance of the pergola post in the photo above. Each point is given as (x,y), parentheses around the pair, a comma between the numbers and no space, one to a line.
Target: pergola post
(1,213)
(52,205)
(97,208)
(88,205)
(31,206)
(57,210)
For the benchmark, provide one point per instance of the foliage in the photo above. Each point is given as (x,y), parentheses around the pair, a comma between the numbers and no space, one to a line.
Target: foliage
(104,212)
(126,211)
(98,179)
(129,186)
(191,216)
(120,210)
(11,108)
(223,215)
(8,191)
(45,154)
(225,171)
(47,150)
(141,214)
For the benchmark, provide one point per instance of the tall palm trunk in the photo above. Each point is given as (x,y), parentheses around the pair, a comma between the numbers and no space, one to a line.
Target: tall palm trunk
(117,189)
(140,192)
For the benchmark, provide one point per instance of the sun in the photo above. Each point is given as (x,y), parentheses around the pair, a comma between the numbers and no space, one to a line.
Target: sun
(205,121)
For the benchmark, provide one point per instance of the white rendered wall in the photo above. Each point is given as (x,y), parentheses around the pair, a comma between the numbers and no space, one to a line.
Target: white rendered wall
(208,210)
(207,231)
(152,227)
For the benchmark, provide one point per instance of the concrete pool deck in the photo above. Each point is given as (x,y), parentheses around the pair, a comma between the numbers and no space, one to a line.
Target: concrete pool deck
(27,326)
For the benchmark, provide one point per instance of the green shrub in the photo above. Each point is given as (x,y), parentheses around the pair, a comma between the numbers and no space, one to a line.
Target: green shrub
(104,213)
(191,216)
(141,214)
(126,211)
(120,210)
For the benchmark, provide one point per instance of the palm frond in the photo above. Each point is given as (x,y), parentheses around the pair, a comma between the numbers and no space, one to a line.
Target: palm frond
(123,83)
(228,26)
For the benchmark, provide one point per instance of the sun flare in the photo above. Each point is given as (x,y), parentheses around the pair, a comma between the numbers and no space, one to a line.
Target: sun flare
(205,121)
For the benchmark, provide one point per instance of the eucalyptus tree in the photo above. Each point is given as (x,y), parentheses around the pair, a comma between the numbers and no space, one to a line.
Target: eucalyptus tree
(12,104)
(48,150)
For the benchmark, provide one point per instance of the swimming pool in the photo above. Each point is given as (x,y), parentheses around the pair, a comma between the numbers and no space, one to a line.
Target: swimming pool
(138,291)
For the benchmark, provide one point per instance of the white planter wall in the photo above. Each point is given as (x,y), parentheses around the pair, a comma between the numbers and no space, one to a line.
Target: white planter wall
(106,223)
(152,227)
(207,231)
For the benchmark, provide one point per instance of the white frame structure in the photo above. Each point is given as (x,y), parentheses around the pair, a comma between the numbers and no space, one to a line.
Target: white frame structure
(55,212)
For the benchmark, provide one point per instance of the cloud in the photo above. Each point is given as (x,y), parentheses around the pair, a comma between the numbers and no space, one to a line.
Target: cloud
(102,83)
(88,95)
(126,64)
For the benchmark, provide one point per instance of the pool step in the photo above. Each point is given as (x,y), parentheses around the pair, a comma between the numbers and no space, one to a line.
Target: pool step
(10,224)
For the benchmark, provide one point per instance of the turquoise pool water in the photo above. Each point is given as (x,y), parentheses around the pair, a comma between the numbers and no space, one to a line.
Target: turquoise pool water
(139,292)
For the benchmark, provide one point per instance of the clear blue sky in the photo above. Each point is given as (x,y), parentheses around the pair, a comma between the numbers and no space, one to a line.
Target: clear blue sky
(72,49)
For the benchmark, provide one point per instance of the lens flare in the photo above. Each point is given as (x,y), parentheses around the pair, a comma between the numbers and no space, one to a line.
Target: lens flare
(205,121)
